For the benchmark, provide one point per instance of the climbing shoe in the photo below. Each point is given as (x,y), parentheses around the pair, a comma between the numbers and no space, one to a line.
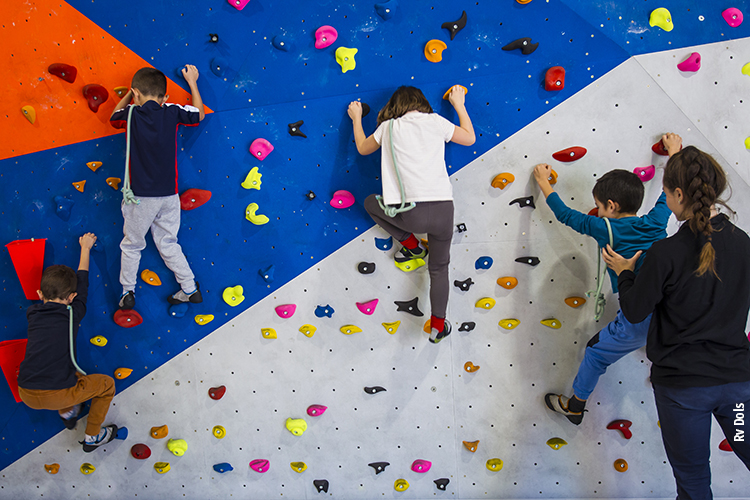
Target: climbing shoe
(560,404)
(127,300)
(182,297)
(106,435)
(405,255)
(437,336)
(70,418)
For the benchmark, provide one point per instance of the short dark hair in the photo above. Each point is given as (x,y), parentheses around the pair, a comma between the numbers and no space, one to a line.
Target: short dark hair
(622,187)
(150,82)
(403,100)
(58,282)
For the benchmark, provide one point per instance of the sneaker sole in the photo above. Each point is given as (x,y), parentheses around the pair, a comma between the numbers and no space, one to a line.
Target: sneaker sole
(88,448)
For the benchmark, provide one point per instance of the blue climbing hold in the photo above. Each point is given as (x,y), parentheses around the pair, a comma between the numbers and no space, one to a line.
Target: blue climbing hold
(267,273)
(281,42)
(386,9)
(483,263)
(384,243)
(223,467)
(122,433)
(178,310)
(63,206)
(322,311)
(218,66)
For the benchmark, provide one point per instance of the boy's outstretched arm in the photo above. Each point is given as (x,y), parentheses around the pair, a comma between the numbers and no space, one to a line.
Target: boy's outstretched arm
(123,103)
(190,73)
(464,133)
(365,145)
(542,173)
(86,241)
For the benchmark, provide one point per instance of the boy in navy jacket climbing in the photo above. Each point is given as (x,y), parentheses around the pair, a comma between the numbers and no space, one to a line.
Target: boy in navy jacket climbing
(618,195)
(153,178)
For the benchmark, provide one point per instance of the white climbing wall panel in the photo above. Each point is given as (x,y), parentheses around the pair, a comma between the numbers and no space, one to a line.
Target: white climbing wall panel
(431,404)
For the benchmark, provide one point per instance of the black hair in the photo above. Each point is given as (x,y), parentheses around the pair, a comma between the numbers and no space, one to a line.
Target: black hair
(150,82)
(622,187)
(58,282)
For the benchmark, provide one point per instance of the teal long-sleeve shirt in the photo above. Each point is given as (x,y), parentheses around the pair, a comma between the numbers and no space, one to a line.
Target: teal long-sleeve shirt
(629,234)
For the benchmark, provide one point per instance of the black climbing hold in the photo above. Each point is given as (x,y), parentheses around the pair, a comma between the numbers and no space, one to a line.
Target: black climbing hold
(365,109)
(294,129)
(461,227)
(441,483)
(379,466)
(310,195)
(366,267)
(532,261)
(321,485)
(467,326)
(455,26)
(214,37)
(524,44)
(527,201)
(410,307)
(374,390)
(463,285)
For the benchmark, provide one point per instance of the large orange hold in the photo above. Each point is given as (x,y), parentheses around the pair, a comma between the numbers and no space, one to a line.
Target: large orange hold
(52,468)
(448,92)
(507,282)
(502,180)
(575,301)
(471,445)
(159,432)
(433,50)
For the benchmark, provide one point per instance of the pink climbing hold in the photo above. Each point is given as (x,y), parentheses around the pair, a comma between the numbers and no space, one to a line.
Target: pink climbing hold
(421,466)
(691,64)
(316,410)
(238,4)
(260,465)
(367,307)
(732,16)
(645,174)
(342,199)
(286,311)
(260,148)
(325,36)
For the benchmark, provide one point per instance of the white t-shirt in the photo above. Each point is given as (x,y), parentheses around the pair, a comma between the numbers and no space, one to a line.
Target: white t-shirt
(419,146)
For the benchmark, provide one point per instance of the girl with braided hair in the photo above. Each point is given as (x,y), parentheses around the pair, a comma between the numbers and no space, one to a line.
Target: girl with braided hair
(697,283)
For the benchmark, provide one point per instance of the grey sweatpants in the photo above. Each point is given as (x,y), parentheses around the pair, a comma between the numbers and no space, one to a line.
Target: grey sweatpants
(162,216)
(436,219)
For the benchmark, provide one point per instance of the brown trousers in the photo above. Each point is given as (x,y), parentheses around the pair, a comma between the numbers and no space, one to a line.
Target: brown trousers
(100,389)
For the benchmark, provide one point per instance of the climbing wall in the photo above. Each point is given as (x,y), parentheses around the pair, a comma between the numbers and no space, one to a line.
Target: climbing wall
(430,403)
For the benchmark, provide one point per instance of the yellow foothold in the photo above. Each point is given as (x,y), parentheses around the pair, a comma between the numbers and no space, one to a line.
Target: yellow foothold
(296,426)
(661,18)
(575,301)
(178,447)
(502,180)
(552,323)
(30,113)
(219,432)
(350,329)
(268,333)
(621,465)
(52,468)
(552,177)
(161,467)
(298,467)
(93,165)
(746,69)
(121,91)
(98,341)
(257,219)
(391,327)
(159,432)
(470,367)
(448,93)
(471,445)
(658,424)
(233,295)
(79,185)
(507,282)
(427,328)
(494,464)
(307,330)
(410,265)
(114,182)
(252,180)
(345,58)
(556,443)
(204,319)
(509,323)
(433,50)
(122,373)
(401,485)
(87,468)
(485,303)
(747,143)
(150,277)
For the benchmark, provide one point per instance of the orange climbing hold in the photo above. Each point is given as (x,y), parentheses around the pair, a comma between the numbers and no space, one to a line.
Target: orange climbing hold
(471,445)
(502,180)
(552,177)
(29,112)
(159,432)
(150,277)
(114,182)
(621,465)
(433,50)
(52,468)
(448,92)
(79,185)
(471,368)
(575,301)
(120,91)
(123,373)
(507,282)
(427,328)
(93,165)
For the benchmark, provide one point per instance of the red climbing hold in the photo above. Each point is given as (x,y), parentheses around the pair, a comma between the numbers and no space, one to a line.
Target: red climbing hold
(217,392)
(194,198)
(140,451)
(724,446)
(594,212)
(12,353)
(96,95)
(555,78)
(570,154)
(622,426)
(64,71)
(28,259)
(127,318)
(659,149)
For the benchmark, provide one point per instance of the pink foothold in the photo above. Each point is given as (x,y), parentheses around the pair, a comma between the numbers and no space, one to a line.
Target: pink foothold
(732,16)
(692,63)
(367,307)
(325,36)
(238,4)
(316,410)
(421,466)
(260,465)
(645,174)
(260,148)
(286,311)
(342,199)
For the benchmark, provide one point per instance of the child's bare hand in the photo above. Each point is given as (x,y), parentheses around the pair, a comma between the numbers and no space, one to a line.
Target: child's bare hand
(355,110)
(87,241)
(457,97)
(190,73)
(542,173)
(672,143)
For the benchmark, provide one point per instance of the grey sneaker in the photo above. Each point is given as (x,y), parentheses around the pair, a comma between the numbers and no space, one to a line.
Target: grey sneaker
(106,435)
(181,297)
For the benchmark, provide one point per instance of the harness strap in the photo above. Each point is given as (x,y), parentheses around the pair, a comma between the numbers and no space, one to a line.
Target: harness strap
(601,276)
(393,211)
(127,193)
(72,345)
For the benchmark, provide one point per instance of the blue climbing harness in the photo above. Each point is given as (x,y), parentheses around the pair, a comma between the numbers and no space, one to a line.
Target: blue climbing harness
(393,211)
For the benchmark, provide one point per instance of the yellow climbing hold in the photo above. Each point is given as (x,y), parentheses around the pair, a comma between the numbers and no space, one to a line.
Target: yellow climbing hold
(401,485)
(29,112)
(93,165)
(114,182)
(233,295)
(391,327)
(98,341)
(79,185)
(350,329)
(485,303)
(661,18)
(502,180)
(575,301)
(87,468)
(298,467)
(552,323)
(509,323)
(552,177)
(161,467)
(52,468)
(121,91)
(494,464)
(556,443)
(178,447)
(345,58)
(747,143)
(268,333)
(307,330)
(296,426)
(204,319)
(746,69)
(122,373)
(507,282)
(257,219)
(252,181)
(159,432)
(219,432)
(150,277)
(427,328)
(410,265)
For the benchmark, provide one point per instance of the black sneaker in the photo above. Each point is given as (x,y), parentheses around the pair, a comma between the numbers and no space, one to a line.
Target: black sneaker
(405,255)
(106,435)
(181,297)
(70,423)
(437,336)
(559,404)
(127,301)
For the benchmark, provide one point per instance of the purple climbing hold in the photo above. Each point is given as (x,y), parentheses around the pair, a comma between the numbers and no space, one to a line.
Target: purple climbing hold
(384,243)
